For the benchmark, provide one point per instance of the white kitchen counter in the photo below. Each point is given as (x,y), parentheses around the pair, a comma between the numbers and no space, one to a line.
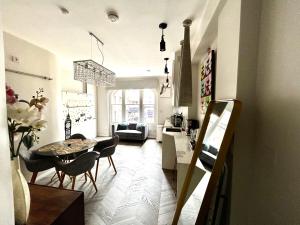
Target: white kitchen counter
(176,155)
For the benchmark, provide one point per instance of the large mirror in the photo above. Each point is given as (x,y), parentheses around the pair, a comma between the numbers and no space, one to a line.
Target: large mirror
(196,202)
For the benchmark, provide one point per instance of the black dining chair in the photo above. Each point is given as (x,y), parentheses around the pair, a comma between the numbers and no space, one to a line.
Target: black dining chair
(81,165)
(36,164)
(78,136)
(106,148)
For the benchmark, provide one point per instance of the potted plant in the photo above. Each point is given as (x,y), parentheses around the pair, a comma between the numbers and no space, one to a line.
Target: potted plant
(24,122)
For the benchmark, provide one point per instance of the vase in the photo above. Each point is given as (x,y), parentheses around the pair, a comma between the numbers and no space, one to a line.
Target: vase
(21,193)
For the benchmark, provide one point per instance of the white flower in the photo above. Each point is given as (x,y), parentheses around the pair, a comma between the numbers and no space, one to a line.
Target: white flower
(22,113)
(16,111)
(39,124)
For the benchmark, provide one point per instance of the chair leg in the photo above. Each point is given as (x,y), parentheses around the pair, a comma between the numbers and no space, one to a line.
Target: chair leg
(96,174)
(112,162)
(62,177)
(85,178)
(73,182)
(92,179)
(33,178)
(109,161)
(58,175)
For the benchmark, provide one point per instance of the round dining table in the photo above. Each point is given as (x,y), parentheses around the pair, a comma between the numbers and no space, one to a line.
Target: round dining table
(66,147)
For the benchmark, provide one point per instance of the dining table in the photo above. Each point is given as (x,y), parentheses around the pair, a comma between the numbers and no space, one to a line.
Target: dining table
(66,147)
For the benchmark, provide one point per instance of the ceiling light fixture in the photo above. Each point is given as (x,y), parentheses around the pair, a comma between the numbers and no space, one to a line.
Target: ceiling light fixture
(112,16)
(162,26)
(89,71)
(63,10)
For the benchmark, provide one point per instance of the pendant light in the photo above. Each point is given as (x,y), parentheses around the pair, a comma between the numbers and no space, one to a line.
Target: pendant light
(162,26)
(165,85)
(89,71)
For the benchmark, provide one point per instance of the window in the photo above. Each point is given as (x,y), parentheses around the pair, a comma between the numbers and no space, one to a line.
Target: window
(132,103)
(116,106)
(136,105)
(148,105)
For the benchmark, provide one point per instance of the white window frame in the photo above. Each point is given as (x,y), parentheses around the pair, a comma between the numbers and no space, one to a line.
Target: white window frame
(141,104)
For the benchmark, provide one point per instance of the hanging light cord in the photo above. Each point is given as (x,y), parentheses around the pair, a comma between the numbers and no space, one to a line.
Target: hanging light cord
(100,52)
(97,41)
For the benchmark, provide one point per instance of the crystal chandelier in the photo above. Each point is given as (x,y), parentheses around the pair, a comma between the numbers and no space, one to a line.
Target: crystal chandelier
(89,71)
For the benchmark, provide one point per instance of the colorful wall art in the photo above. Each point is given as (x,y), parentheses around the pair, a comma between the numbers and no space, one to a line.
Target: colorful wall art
(208,80)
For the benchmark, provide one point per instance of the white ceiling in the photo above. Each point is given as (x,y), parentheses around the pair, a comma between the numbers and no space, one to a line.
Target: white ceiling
(131,46)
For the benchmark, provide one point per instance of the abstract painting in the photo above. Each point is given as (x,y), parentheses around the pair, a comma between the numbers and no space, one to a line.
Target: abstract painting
(207,80)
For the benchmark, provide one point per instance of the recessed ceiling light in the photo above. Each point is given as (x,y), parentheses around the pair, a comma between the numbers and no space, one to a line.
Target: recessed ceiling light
(63,10)
(112,16)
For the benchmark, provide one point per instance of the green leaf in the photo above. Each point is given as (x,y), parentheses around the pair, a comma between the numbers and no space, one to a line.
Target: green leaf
(23,129)
(28,141)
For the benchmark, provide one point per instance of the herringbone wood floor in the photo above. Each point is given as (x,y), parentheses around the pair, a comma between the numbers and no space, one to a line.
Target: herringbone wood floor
(133,195)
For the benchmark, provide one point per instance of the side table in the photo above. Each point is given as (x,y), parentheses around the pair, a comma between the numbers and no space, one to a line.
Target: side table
(54,206)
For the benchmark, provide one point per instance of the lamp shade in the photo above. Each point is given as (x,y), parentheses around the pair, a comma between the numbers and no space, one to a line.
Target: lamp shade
(185,91)
(162,44)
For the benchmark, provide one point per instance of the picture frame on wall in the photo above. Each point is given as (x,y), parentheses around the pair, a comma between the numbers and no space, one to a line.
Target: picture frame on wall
(208,79)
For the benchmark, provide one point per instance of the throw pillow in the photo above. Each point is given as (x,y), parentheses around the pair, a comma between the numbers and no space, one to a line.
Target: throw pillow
(122,127)
(132,126)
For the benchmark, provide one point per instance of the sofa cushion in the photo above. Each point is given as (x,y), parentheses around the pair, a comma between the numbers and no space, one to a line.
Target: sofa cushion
(128,132)
(140,126)
(132,126)
(122,126)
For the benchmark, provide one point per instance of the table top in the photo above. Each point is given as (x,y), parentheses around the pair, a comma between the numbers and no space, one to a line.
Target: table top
(66,147)
(49,203)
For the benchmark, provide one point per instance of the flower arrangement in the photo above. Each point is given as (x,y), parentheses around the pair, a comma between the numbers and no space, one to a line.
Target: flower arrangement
(24,119)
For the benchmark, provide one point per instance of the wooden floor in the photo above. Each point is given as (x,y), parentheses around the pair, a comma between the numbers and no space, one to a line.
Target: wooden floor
(139,194)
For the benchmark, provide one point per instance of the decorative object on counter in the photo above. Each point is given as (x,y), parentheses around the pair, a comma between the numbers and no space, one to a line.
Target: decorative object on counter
(68,127)
(162,44)
(185,91)
(208,80)
(193,126)
(89,71)
(177,119)
(165,85)
(24,122)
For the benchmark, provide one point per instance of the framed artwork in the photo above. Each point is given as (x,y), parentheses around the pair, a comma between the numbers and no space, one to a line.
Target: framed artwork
(208,77)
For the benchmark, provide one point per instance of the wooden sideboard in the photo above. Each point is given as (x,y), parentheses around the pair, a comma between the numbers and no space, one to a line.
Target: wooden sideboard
(54,206)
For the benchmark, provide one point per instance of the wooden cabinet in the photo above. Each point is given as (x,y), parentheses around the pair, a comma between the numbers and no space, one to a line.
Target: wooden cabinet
(54,206)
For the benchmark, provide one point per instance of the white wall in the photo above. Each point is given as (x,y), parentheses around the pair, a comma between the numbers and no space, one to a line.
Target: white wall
(103,128)
(243,163)
(276,180)
(228,49)
(68,84)
(33,59)
(6,195)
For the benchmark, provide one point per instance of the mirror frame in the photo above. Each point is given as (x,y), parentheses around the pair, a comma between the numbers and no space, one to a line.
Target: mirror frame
(218,166)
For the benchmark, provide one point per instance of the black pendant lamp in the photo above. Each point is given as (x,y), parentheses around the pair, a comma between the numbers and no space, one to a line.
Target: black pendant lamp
(165,85)
(162,45)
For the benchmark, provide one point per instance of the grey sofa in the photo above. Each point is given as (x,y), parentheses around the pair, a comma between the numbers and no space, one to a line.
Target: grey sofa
(130,131)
